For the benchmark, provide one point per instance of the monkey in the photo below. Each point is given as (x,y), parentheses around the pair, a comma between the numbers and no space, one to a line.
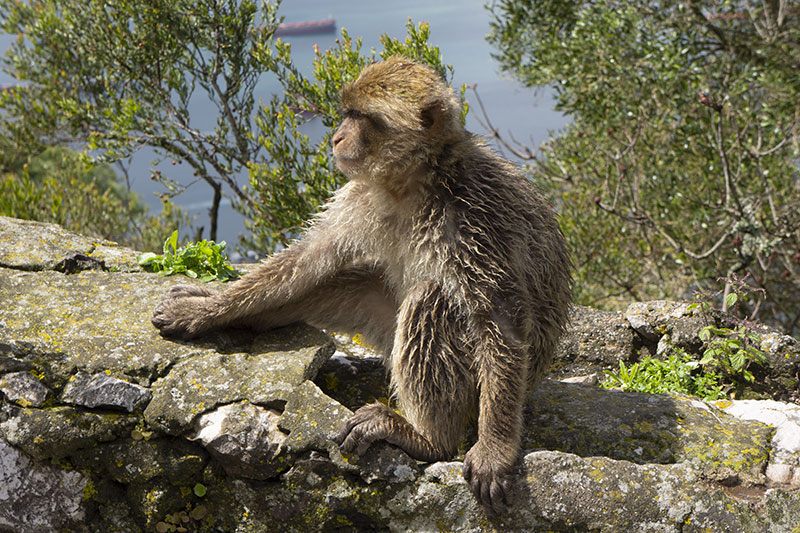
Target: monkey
(441,254)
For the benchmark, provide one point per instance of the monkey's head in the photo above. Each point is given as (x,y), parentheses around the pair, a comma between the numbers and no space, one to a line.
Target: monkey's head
(398,114)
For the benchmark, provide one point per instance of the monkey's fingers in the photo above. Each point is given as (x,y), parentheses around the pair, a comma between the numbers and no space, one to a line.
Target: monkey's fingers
(165,326)
(173,320)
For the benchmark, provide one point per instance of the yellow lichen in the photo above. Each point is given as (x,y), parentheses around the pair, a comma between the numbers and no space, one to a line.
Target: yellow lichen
(89,490)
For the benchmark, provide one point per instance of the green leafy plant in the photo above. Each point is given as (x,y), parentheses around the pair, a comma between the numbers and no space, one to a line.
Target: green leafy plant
(677,373)
(204,260)
(730,349)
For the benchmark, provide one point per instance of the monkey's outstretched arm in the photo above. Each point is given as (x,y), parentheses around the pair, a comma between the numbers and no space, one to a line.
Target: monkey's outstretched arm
(502,382)
(187,311)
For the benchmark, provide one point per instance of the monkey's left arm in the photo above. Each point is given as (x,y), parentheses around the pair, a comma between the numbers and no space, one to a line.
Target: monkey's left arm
(502,383)
(187,310)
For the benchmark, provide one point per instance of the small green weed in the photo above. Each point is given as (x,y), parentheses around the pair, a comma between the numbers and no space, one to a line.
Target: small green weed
(204,260)
(731,350)
(677,373)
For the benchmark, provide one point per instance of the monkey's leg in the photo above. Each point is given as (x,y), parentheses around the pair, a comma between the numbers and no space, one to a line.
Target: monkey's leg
(431,379)
(502,362)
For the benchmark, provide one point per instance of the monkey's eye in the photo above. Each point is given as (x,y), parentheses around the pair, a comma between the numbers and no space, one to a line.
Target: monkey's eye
(354,113)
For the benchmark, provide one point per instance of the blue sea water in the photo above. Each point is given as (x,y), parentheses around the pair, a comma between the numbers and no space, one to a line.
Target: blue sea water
(458,28)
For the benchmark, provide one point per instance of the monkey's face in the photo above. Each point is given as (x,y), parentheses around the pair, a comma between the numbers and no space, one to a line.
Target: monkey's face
(352,144)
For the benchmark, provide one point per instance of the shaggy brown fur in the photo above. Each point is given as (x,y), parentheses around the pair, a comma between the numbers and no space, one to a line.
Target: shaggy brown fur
(441,254)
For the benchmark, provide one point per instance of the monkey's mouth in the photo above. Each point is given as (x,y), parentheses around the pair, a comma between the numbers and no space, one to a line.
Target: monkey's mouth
(345,164)
(348,160)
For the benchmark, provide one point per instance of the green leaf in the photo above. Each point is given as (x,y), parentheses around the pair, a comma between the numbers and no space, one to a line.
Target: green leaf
(731,299)
(171,244)
(147,258)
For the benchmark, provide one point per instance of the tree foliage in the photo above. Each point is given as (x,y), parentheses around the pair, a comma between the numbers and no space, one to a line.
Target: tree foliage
(64,187)
(681,165)
(122,75)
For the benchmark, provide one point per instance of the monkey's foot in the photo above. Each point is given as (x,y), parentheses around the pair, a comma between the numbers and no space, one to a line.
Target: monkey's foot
(490,478)
(182,312)
(379,422)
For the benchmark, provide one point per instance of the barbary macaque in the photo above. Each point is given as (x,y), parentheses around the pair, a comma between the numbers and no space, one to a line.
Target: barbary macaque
(441,254)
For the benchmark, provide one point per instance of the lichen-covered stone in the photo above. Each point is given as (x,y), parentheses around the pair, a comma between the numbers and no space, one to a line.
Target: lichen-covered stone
(103,391)
(244,438)
(58,432)
(37,246)
(127,461)
(646,428)
(784,465)
(595,340)
(601,494)
(354,381)
(92,321)
(156,500)
(24,389)
(594,460)
(8,363)
(264,375)
(36,497)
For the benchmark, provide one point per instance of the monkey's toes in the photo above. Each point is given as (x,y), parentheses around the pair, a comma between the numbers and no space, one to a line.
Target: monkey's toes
(490,483)
(367,425)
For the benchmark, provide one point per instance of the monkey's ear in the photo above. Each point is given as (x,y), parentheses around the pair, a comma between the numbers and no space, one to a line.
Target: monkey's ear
(433,117)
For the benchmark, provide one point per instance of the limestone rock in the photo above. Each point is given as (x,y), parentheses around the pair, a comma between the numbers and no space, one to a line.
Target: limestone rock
(37,246)
(244,438)
(24,389)
(38,497)
(595,340)
(353,380)
(265,374)
(784,465)
(58,432)
(647,428)
(137,462)
(104,391)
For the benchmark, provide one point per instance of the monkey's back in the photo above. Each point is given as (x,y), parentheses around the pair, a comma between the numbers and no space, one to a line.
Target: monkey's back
(510,247)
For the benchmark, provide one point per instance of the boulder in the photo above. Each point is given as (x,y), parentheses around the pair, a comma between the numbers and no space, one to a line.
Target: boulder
(106,426)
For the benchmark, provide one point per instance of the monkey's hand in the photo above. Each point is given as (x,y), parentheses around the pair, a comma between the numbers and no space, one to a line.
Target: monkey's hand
(182,313)
(490,478)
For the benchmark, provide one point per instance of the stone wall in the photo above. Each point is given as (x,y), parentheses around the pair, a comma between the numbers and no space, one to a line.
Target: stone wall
(106,426)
